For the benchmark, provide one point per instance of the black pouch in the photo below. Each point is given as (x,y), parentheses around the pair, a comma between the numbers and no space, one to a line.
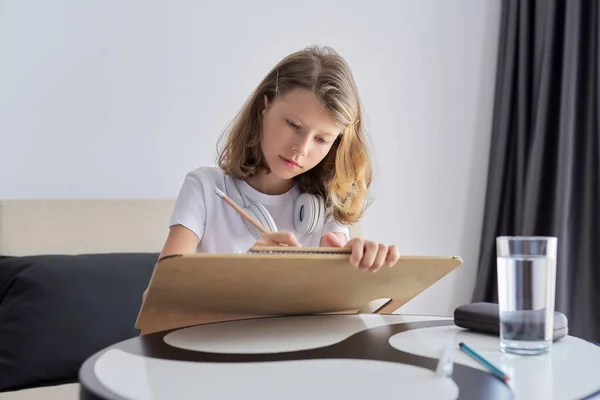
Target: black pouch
(485,318)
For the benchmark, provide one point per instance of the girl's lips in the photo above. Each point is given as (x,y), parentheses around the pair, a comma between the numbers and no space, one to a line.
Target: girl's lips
(289,162)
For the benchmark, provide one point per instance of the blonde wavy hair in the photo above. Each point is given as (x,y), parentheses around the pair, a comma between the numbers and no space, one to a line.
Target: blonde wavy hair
(343,177)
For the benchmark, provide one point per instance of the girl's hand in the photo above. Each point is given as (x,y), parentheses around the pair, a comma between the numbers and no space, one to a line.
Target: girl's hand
(366,255)
(278,239)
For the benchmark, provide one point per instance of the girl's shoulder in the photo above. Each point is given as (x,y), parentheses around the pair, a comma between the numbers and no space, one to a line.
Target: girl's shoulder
(205,178)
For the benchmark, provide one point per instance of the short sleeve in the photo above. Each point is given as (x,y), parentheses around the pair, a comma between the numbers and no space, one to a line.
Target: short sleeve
(190,206)
(331,225)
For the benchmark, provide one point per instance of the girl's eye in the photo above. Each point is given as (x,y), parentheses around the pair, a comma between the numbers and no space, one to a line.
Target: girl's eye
(292,124)
(321,140)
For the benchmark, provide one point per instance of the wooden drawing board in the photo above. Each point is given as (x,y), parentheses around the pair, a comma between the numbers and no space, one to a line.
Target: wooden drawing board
(198,288)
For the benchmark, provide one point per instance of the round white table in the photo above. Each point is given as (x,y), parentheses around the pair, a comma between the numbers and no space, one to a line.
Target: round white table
(332,356)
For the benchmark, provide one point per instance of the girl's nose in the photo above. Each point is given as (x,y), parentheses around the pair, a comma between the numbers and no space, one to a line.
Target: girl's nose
(300,146)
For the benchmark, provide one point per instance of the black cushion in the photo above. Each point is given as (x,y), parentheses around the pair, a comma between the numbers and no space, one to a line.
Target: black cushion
(57,310)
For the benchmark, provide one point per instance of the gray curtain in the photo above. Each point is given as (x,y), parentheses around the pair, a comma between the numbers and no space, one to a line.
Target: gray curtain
(544,172)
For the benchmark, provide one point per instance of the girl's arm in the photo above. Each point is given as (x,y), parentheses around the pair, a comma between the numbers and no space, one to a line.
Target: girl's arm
(180,240)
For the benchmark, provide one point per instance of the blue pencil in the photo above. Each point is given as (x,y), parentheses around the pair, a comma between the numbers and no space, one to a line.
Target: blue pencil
(471,353)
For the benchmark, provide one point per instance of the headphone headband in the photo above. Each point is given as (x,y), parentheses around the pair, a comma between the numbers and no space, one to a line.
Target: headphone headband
(236,194)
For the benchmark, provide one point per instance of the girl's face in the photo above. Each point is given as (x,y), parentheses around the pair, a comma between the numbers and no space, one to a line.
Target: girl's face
(297,133)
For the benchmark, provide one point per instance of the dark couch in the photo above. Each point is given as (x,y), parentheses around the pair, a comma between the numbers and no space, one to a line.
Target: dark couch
(58,310)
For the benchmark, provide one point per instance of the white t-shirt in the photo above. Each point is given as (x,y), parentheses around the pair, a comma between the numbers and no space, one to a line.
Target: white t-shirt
(220,228)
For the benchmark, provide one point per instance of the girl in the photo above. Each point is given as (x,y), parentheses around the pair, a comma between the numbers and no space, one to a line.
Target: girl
(296,159)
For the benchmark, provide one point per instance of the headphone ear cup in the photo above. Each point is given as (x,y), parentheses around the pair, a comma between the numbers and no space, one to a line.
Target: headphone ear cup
(262,215)
(309,213)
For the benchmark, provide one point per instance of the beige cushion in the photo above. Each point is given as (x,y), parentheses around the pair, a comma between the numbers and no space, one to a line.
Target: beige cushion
(59,392)
(30,227)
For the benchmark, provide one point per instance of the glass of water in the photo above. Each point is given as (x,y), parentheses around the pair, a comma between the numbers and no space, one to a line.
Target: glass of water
(526,267)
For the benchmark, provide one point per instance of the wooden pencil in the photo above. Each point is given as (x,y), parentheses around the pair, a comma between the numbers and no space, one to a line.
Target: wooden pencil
(241,211)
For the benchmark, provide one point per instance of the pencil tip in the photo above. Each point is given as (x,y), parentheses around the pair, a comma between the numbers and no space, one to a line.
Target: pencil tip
(219,192)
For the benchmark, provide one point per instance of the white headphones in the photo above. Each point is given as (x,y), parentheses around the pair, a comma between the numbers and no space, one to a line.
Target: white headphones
(309,211)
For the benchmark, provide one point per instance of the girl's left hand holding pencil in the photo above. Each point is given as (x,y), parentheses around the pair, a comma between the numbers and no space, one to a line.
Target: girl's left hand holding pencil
(366,254)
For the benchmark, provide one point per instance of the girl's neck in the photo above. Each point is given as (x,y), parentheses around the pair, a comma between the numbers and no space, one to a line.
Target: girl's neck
(270,184)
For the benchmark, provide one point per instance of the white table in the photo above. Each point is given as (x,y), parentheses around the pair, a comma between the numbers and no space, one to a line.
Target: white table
(331,356)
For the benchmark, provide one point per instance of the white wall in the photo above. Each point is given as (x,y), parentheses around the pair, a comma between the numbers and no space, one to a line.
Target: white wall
(119,99)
